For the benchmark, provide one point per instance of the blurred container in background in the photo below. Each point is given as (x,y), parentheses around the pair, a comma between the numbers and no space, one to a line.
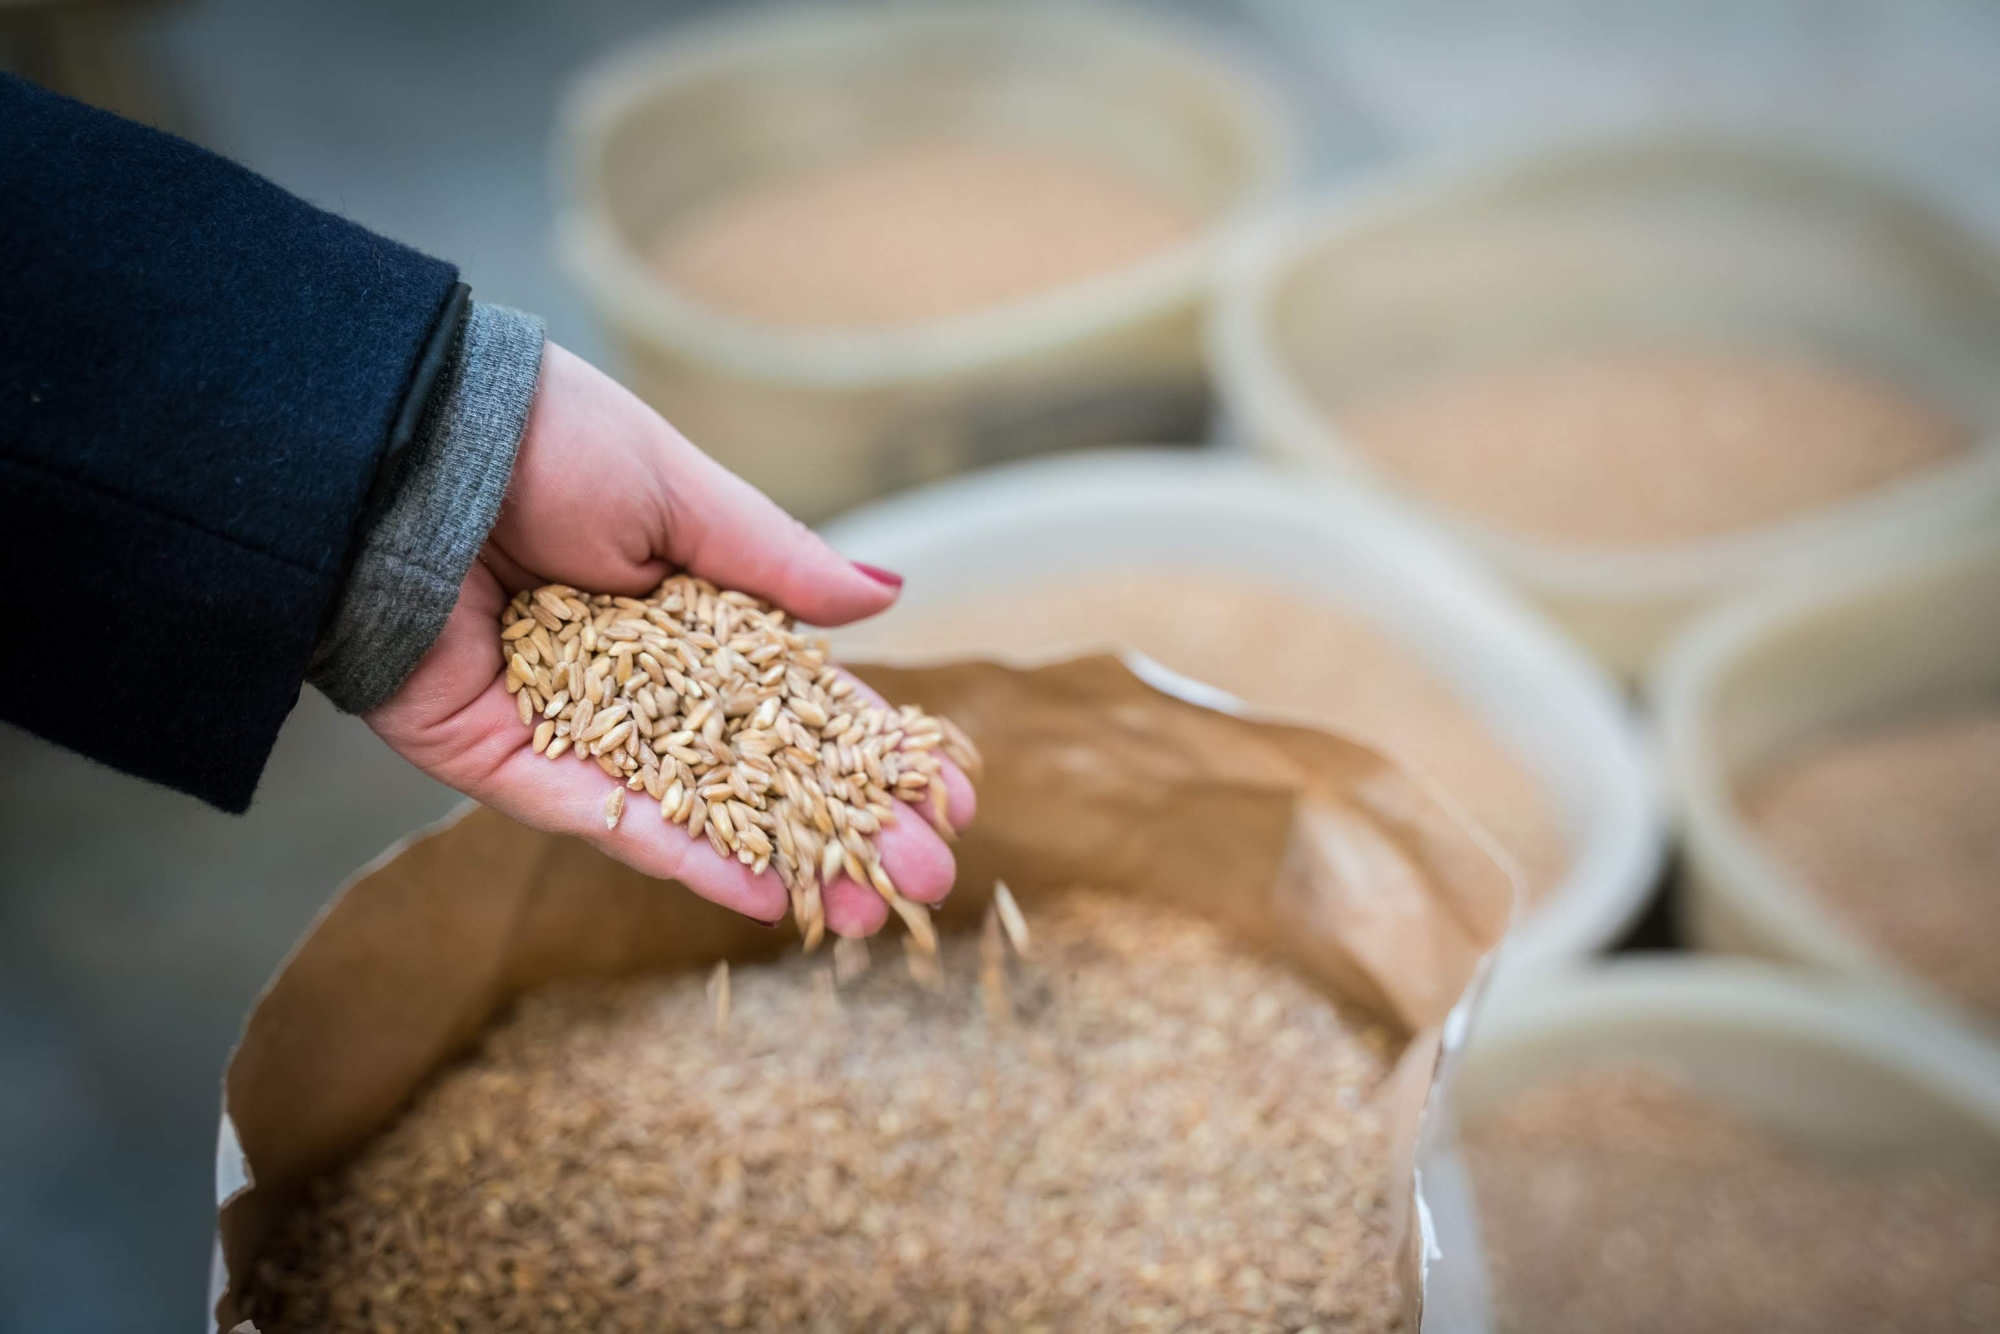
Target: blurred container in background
(825,417)
(1809,1094)
(1798,670)
(1787,365)
(1370,625)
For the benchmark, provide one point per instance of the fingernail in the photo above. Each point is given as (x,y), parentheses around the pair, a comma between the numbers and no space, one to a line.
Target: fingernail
(768,926)
(887,578)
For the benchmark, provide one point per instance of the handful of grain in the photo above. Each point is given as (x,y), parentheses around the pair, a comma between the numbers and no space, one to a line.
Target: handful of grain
(715,705)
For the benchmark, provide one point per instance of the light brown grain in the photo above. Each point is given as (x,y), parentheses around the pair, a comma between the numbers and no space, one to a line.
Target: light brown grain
(754,740)
(1165,1133)
(912,232)
(1638,446)
(1895,828)
(1621,1200)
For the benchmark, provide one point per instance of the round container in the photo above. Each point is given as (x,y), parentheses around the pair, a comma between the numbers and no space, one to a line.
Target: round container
(1755,678)
(1852,1070)
(1544,701)
(824,419)
(1689,241)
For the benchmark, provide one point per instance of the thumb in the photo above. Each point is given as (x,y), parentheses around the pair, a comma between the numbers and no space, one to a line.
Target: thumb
(726,530)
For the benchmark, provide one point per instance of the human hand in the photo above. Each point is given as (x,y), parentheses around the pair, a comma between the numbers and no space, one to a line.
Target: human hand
(606,496)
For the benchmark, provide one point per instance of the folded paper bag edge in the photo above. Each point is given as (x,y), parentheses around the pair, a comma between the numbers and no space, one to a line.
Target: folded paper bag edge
(411,917)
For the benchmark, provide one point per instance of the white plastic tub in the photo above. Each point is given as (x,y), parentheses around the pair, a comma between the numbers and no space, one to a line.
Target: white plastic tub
(1687,240)
(1755,678)
(1856,1072)
(1543,699)
(824,419)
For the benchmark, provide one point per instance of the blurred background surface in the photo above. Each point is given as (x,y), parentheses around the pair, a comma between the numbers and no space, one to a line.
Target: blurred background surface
(136,926)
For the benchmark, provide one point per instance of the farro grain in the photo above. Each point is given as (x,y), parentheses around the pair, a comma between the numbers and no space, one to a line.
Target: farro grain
(1163,1132)
(850,959)
(774,760)
(1008,914)
(718,995)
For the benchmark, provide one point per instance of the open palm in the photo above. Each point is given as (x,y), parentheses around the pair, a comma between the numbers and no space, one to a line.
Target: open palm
(608,497)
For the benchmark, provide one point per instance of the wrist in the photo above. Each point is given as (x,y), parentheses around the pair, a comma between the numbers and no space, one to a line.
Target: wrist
(439,506)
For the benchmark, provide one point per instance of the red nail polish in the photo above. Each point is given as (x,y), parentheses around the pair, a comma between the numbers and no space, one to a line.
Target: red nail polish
(888,578)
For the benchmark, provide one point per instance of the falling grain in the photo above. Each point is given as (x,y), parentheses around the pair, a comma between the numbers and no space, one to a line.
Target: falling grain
(753,739)
(923,965)
(718,995)
(850,959)
(1009,914)
(993,990)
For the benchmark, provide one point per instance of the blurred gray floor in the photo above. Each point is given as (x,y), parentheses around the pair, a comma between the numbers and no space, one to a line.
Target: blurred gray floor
(135,925)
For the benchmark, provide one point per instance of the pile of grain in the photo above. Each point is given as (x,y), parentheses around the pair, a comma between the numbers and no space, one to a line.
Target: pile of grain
(1156,1130)
(1274,649)
(716,706)
(1641,446)
(904,233)
(1620,1201)
(1897,830)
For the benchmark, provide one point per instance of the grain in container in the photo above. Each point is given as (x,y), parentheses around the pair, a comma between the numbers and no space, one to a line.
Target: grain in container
(1717,1143)
(1309,603)
(870,124)
(506,1082)
(1832,748)
(1633,376)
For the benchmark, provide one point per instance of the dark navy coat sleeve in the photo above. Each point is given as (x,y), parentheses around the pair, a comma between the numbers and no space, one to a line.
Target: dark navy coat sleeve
(198,378)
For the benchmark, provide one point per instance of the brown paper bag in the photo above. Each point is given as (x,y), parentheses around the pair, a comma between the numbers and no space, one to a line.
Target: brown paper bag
(1307,845)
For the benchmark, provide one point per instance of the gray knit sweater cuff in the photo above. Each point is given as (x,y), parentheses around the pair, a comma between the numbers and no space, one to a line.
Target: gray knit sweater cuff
(406,578)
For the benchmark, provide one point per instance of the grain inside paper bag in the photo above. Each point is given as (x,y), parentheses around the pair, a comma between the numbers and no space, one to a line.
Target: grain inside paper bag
(1156,1130)
(1229,859)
